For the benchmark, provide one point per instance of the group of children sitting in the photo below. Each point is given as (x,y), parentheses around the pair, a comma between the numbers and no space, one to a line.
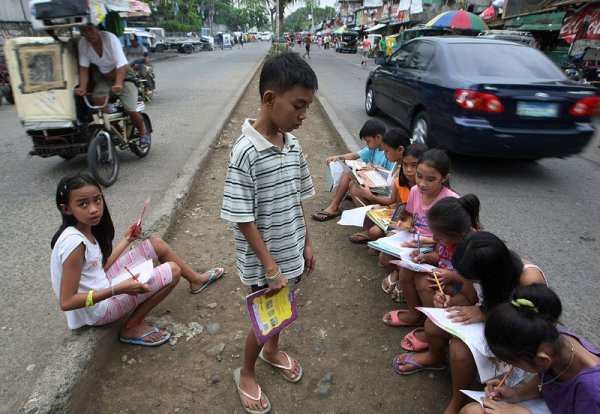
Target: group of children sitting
(475,277)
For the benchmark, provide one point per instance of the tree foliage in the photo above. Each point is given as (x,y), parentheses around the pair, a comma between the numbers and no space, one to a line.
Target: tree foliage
(299,21)
(190,15)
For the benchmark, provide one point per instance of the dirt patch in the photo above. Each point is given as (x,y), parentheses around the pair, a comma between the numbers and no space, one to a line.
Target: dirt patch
(339,335)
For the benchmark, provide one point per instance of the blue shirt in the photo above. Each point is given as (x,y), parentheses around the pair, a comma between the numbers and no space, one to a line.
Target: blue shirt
(375,157)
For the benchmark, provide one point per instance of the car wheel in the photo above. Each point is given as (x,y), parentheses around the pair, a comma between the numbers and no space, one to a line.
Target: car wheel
(370,106)
(160,48)
(421,130)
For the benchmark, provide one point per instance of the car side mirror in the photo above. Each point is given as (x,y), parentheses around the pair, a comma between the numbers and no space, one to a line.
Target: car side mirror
(380,61)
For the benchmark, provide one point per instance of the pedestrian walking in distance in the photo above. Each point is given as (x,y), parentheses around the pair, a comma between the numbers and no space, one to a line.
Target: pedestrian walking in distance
(308,42)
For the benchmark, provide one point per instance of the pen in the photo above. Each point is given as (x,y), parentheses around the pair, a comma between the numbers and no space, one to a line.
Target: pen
(418,241)
(438,282)
(358,199)
(132,275)
(505,377)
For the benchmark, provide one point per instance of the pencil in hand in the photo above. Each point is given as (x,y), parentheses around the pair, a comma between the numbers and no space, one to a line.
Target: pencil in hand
(132,275)
(438,283)
(505,377)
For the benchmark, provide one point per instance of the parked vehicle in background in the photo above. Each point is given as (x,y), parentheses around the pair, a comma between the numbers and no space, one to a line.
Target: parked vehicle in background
(483,97)
(525,38)
(420,30)
(348,42)
(160,39)
(266,36)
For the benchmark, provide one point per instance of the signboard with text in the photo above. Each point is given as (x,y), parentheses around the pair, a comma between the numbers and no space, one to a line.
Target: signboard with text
(582,25)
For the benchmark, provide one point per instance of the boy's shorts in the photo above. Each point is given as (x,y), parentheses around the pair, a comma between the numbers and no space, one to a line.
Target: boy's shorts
(291,283)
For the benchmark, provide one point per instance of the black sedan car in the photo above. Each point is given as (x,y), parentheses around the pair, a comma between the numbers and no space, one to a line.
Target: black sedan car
(483,97)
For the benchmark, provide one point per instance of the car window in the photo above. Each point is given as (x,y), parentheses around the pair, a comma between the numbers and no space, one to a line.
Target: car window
(400,58)
(422,56)
(505,61)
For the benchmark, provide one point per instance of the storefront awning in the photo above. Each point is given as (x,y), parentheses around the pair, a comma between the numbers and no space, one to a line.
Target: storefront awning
(376,27)
(551,21)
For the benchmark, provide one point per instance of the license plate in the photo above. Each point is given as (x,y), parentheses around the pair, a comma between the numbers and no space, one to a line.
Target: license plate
(537,109)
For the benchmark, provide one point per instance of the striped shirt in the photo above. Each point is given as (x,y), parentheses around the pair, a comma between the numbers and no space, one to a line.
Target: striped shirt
(266,185)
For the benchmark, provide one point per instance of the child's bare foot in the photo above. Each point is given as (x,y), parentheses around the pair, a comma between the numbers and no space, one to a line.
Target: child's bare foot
(250,392)
(288,367)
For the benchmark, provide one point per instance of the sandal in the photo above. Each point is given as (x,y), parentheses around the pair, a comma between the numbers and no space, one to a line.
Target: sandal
(392,319)
(396,364)
(145,141)
(325,215)
(398,295)
(410,342)
(214,274)
(282,368)
(360,237)
(390,285)
(242,394)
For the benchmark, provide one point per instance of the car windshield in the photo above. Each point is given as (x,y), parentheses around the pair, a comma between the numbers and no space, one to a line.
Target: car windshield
(498,60)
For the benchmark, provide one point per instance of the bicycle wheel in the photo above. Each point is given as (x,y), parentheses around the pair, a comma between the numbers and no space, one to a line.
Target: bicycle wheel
(134,138)
(102,158)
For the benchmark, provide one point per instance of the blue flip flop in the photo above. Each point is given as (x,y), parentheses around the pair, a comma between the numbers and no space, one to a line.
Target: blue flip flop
(138,340)
(215,274)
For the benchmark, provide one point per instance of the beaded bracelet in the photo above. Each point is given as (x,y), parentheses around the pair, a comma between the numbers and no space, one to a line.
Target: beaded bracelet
(89,302)
(275,277)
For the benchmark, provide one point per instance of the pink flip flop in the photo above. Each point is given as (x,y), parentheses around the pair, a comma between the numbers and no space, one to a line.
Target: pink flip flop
(410,342)
(392,319)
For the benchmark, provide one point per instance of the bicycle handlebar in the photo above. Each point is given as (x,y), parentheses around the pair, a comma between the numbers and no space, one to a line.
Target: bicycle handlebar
(98,107)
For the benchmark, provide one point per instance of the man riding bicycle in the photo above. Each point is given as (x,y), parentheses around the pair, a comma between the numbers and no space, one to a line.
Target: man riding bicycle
(104,50)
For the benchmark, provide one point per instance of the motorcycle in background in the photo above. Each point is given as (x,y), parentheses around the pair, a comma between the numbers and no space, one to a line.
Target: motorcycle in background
(146,80)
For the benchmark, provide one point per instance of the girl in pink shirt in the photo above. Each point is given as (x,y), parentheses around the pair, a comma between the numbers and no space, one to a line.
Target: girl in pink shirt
(432,185)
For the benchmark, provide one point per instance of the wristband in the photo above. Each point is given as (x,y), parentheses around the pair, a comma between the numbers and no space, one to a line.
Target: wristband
(275,277)
(112,288)
(89,302)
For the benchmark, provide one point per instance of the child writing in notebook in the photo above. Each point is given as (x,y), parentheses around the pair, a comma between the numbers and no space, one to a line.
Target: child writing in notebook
(393,143)
(450,219)
(492,273)
(405,181)
(523,332)
(372,133)
(267,180)
(432,180)
(83,263)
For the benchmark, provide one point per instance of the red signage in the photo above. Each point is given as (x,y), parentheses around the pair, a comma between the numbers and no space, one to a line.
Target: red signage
(582,25)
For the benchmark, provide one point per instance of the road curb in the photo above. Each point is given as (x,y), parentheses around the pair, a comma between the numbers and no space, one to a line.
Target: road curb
(68,364)
(334,121)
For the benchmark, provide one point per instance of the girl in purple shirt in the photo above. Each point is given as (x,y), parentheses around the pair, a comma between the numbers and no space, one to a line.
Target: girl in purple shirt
(523,332)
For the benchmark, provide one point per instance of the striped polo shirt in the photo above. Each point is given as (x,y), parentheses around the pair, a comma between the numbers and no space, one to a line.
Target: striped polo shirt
(266,185)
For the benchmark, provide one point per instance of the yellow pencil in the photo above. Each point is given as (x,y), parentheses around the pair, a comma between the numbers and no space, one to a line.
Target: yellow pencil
(505,377)
(438,282)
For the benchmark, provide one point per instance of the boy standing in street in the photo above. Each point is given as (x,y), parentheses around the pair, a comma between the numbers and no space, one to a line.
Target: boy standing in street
(267,179)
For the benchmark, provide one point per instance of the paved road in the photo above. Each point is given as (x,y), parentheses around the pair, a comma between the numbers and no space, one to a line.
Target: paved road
(547,211)
(193,98)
